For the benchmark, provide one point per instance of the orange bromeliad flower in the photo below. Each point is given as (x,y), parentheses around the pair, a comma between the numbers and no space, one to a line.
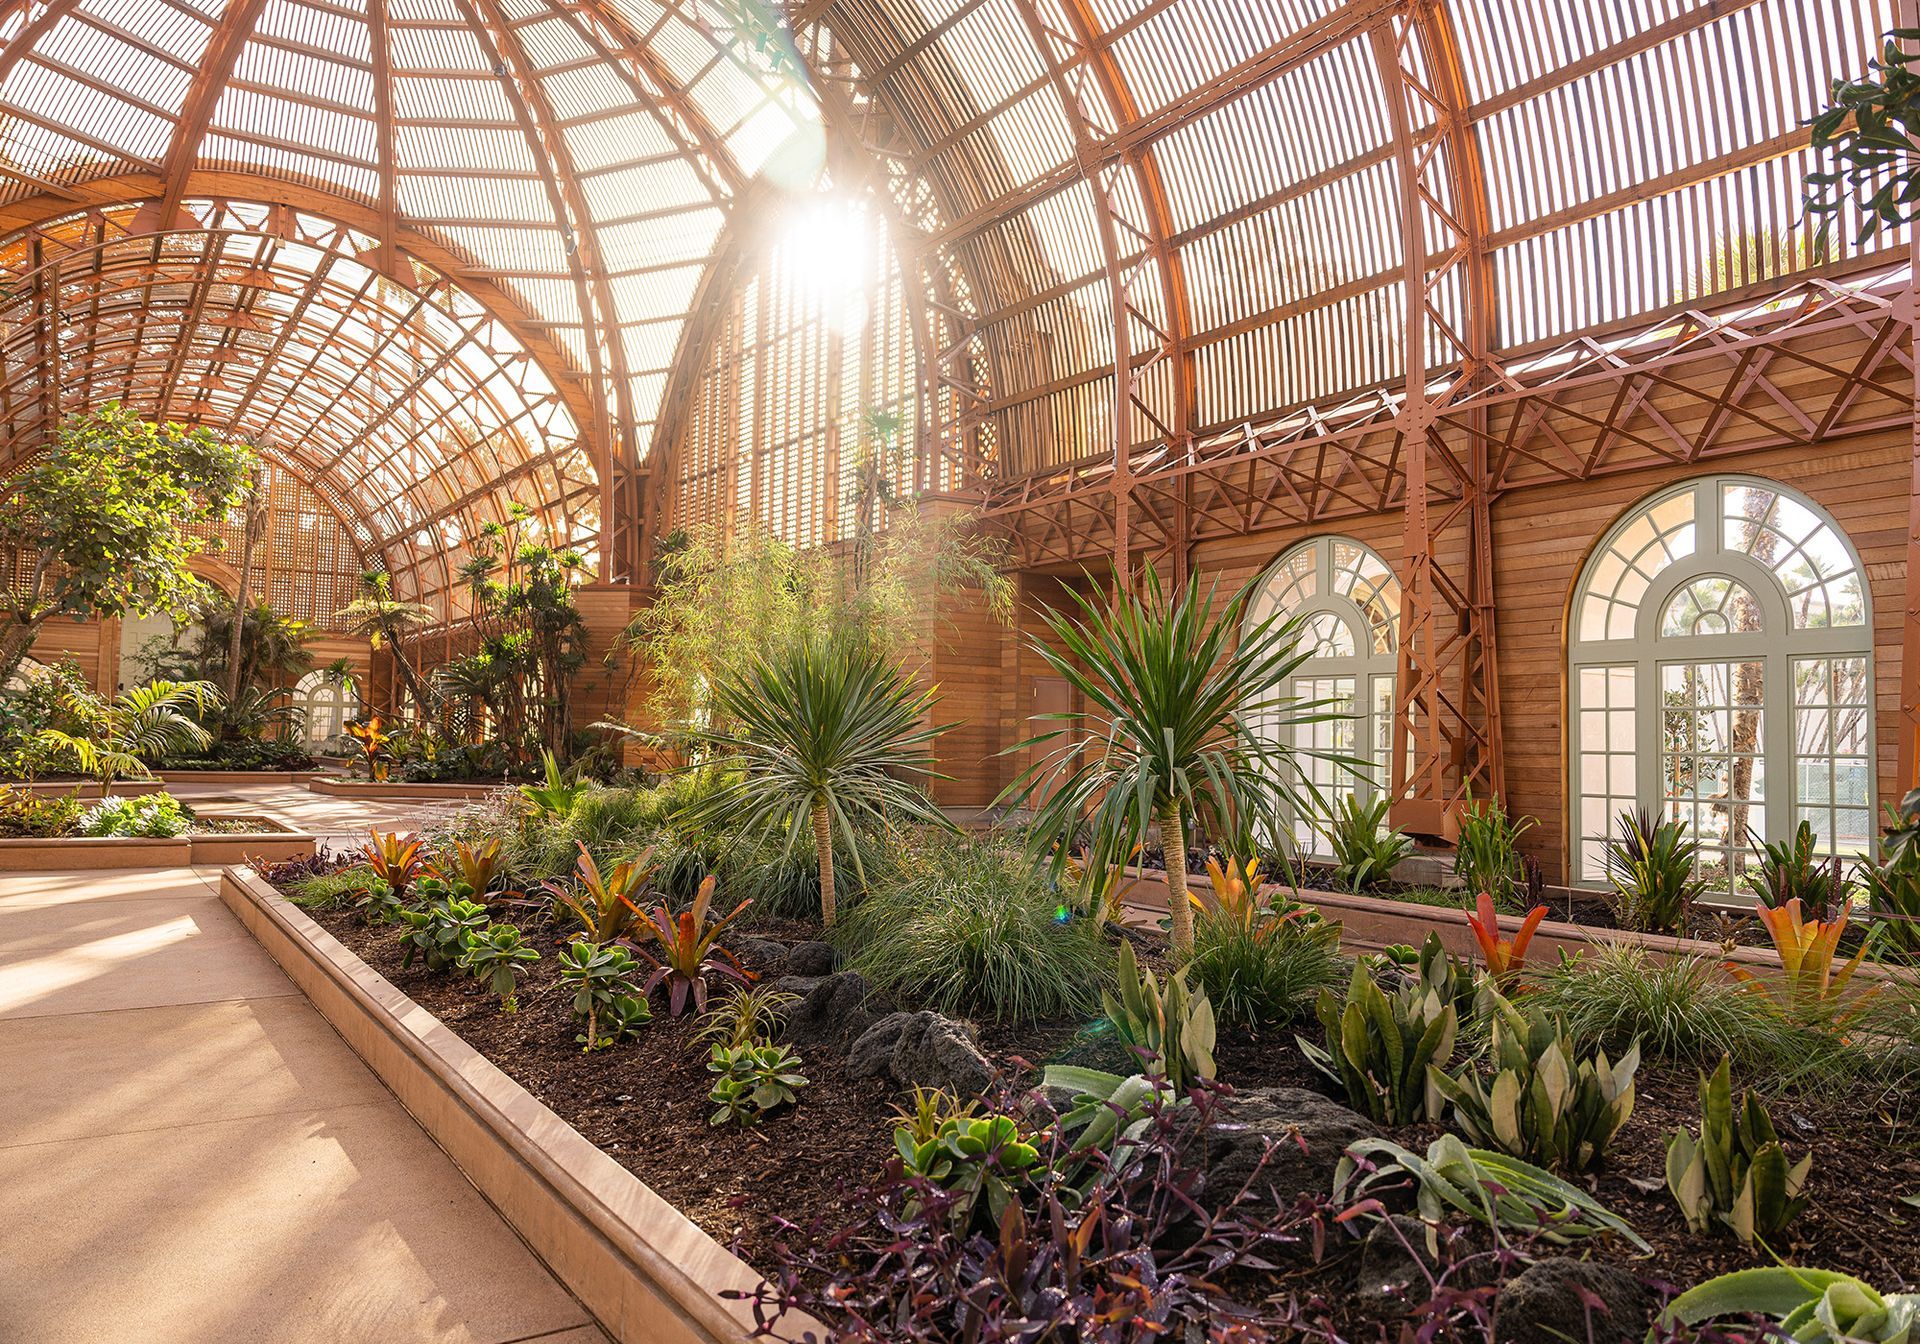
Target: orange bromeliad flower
(1506,958)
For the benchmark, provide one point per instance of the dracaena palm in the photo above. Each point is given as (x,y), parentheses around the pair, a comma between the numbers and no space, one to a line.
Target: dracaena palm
(115,739)
(1186,721)
(825,734)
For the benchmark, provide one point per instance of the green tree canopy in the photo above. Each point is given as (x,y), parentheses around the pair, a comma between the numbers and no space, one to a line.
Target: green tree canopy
(106,520)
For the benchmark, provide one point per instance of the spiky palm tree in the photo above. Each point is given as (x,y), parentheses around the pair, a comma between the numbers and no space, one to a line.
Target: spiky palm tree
(116,738)
(825,734)
(1187,720)
(380,617)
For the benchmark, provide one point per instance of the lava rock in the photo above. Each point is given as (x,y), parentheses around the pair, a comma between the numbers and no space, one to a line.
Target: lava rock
(833,1011)
(1555,1299)
(1390,1266)
(810,959)
(1309,1133)
(922,1049)
(761,954)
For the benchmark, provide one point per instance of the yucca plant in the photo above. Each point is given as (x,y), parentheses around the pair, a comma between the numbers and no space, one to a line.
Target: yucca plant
(115,739)
(605,906)
(1379,1047)
(1365,849)
(831,735)
(1185,722)
(1169,1022)
(1793,870)
(1734,1172)
(1486,856)
(689,951)
(1653,869)
(1547,1104)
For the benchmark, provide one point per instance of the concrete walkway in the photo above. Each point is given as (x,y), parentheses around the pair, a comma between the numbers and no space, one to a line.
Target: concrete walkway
(190,1155)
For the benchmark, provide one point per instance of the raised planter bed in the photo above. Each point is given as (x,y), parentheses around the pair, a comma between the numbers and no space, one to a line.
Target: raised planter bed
(399,791)
(646,1272)
(208,849)
(1374,922)
(173,779)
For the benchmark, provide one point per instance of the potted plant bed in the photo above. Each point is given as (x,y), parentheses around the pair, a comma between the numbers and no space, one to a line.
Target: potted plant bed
(644,1270)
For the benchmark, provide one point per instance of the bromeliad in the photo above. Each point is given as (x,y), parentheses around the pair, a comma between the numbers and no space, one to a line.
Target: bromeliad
(1813,989)
(688,954)
(1506,958)
(396,859)
(603,905)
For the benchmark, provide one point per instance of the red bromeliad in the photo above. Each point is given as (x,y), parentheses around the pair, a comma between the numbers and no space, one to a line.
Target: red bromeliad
(688,954)
(1506,958)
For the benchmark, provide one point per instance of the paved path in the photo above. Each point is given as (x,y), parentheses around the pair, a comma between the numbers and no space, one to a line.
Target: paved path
(190,1155)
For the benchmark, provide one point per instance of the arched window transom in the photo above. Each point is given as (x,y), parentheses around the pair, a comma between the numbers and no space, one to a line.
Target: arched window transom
(1721,674)
(1348,602)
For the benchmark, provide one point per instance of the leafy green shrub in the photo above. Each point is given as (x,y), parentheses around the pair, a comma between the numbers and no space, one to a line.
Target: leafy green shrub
(155,816)
(1170,1023)
(1365,849)
(440,930)
(604,994)
(1269,971)
(1735,1172)
(970,927)
(1685,1008)
(1652,869)
(754,1079)
(1379,1046)
(610,824)
(498,956)
(1547,1104)
(1792,869)
(1502,1192)
(1487,855)
(27,815)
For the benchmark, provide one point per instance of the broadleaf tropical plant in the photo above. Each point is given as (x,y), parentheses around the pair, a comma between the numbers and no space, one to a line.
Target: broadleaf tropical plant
(1185,722)
(1506,958)
(1170,1022)
(1734,1172)
(603,904)
(829,735)
(1379,1047)
(689,951)
(116,738)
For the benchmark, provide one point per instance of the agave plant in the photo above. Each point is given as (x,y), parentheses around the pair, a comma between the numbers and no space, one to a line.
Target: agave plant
(829,734)
(689,951)
(115,739)
(1181,727)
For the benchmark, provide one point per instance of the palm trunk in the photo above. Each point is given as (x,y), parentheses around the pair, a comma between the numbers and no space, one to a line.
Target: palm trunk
(1173,844)
(409,677)
(254,523)
(823,842)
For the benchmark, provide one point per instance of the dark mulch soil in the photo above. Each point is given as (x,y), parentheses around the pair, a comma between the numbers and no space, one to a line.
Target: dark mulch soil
(645,1103)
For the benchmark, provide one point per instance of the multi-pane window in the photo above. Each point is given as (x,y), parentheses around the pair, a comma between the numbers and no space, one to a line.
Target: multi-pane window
(1347,605)
(1722,627)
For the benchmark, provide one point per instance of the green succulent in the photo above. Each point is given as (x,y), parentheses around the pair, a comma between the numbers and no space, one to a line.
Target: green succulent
(1809,1306)
(500,957)
(1546,1104)
(604,994)
(754,1079)
(1173,1023)
(1735,1172)
(971,1156)
(1379,1047)
(441,930)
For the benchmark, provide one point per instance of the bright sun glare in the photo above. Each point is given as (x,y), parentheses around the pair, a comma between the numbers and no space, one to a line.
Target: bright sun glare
(828,244)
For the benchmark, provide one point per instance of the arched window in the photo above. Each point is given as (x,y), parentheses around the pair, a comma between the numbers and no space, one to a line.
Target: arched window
(1349,603)
(326,706)
(1721,674)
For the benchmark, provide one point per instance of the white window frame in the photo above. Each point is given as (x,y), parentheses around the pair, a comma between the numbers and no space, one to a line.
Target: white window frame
(1777,646)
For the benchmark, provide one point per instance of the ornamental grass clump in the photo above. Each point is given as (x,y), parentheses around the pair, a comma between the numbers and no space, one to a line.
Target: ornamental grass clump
(1266,971)
(971,927)
(1546,1103)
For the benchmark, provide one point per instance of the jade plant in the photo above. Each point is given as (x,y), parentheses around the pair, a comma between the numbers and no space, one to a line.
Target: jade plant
(1734,1172)
(605,997)
(499,956)
(972,1157)
(754,1079)
(440,930)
